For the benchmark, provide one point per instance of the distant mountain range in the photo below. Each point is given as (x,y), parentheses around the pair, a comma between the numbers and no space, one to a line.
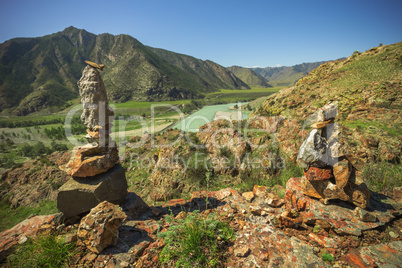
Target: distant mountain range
(286,76)
(40,73)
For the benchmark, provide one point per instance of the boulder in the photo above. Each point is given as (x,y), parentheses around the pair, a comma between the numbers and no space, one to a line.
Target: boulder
(79,195)
(100,228)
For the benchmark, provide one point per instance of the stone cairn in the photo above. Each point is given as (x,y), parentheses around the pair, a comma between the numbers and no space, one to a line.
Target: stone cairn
(95,174)
(327,172)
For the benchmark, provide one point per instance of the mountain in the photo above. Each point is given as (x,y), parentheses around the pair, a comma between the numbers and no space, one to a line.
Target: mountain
(286,76)
(250,77)
(40,73)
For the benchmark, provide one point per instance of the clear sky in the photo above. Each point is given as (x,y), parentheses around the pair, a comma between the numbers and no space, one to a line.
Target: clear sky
(245,33)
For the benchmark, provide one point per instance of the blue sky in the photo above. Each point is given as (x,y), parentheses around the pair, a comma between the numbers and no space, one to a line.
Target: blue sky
(245,33)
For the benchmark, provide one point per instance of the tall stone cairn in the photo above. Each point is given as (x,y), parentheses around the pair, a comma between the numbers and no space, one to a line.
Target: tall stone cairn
(95,173)
(100,154)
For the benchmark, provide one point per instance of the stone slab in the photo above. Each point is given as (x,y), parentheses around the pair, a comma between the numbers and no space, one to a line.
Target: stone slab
(79,195)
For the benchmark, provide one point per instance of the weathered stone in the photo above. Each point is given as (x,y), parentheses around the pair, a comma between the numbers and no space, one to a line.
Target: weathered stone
(100,228)
(315,188)
(79,195)
(381,255)
(248,196)
(255,210)
(96,111)
(318,174)
(324,241)
(327,112)
(260,191)
(275,202)
(312,153)
(319,125)
(22,231)
(294,197)
(242,251)
(91,160)
(364,215)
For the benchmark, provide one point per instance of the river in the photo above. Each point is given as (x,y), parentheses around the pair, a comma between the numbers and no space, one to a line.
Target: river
(207,114)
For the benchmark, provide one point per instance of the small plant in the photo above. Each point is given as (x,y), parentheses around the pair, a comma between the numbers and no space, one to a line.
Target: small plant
(44,251)
(316,228)
(327,257)
(196,241)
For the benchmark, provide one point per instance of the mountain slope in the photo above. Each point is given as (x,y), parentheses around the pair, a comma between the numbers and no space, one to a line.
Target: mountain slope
(38,73)
(367,88)
(250,77)
(286,76)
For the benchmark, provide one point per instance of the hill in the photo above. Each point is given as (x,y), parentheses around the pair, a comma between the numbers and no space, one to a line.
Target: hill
(41,73)
(250,77)
(367,88)
(285,75)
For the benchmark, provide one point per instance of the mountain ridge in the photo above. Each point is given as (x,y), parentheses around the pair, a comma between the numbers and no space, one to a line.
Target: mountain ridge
(286,75)
(43,71)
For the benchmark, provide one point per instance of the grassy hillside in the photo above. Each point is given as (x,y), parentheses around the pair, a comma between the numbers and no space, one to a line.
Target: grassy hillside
(367,87)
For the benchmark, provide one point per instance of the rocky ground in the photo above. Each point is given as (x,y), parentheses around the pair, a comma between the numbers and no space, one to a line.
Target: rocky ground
(294,231)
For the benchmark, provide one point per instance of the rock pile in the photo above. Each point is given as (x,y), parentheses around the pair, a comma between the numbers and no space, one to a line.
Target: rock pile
(101,153)
(328,172)
(95,174)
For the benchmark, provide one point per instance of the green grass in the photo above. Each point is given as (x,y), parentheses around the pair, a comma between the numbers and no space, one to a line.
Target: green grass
(394,131)
(327,257)
(196,241)
(382,176)
(43,251)
(10,217)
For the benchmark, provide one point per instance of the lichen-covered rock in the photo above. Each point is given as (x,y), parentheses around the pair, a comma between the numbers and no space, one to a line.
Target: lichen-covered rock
(381,255)
(27,228)
(100,228)
(91,160)
(79,195)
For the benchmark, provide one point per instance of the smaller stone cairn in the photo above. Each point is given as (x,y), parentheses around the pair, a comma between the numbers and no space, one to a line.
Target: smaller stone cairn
(95,173)
(328,174)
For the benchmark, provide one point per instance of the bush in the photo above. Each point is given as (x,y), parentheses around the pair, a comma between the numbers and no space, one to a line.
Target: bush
(196,241)
(44,251)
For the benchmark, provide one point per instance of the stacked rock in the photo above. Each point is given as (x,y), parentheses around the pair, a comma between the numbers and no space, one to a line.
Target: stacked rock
(327,172)
(96,176)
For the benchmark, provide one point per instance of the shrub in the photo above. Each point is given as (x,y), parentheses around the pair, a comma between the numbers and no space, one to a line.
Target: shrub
(44,251)
(196,241)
